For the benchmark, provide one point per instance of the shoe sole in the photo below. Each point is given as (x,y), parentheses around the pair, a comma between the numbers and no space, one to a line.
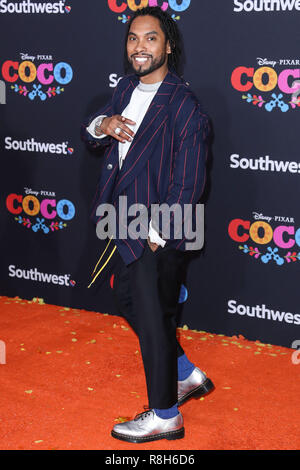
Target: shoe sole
(197,392)
(170,436)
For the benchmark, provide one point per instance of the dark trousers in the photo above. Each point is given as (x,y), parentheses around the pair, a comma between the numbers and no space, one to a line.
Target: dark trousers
(147,293)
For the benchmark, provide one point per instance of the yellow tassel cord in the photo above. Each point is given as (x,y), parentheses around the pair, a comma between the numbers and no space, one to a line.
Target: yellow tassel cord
(102,256)
(103,266)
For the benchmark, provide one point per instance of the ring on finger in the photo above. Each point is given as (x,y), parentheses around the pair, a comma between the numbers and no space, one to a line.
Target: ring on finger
(117,131)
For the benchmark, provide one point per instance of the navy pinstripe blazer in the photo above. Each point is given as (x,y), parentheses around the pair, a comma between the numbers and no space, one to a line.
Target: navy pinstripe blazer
(165,162)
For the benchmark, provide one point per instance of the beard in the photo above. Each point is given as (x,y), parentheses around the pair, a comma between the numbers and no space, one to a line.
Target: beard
(154,65)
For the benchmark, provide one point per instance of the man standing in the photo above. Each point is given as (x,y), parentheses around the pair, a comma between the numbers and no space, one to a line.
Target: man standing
(156,146)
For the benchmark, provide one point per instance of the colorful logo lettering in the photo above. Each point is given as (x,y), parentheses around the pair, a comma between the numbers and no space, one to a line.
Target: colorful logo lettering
(50,215)
(277,242)
(267,88)
(37,81)
(126,8)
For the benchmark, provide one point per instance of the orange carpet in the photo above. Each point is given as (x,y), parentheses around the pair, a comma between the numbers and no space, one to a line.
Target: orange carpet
(69,375)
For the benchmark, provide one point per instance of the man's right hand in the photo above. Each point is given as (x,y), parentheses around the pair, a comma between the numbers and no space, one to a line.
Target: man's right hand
(109,126)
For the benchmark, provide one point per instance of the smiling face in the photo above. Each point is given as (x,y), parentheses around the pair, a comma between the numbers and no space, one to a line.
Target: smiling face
(147,49)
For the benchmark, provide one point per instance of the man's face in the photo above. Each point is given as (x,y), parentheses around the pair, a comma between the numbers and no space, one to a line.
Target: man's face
(147,48)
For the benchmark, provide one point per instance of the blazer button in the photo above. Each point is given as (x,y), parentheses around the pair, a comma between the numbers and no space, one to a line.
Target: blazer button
(109,166)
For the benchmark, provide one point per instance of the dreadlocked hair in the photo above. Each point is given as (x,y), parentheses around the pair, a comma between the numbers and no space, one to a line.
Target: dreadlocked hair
(171,31)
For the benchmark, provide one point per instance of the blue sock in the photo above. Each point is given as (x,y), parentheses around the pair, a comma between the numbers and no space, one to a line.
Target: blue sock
(167,413)
(185,367)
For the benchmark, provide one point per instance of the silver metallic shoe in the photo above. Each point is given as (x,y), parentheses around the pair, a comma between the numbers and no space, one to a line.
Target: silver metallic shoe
(195,386)
(147,426)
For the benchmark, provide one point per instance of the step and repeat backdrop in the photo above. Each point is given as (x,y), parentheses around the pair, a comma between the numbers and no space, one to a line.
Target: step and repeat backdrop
(61,60)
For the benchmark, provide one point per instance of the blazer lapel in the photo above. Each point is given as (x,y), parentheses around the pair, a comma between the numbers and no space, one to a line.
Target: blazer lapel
(149,131)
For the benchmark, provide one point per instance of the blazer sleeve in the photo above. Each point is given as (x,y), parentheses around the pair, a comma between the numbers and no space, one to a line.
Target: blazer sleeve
(89,140)
(188,170)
